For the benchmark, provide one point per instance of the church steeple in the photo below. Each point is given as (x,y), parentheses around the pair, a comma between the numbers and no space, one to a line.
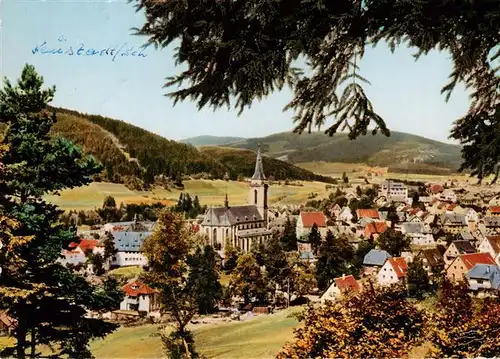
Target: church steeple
(259,169)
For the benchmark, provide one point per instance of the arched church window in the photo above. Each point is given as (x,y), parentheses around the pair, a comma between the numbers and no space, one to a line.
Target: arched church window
(255,195)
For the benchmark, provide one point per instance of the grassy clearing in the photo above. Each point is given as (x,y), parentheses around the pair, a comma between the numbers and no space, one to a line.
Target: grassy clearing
(259,337)
(209,192)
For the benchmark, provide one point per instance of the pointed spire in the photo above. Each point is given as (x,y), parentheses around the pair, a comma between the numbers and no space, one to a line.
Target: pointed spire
(226,200)
(259,170)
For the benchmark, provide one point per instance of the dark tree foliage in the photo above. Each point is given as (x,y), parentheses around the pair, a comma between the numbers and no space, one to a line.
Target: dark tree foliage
(189,206)
(278,269)
(359,255)
(54,300)
(393,242)
(315,238)
(203,279)
(417,279)
(235,52)
(335,256)
(288,238)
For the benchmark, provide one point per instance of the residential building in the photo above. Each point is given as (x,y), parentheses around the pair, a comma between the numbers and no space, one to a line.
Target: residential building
(393,191)
(491,245)
(128,246)
(459,268)
(419,233)
(432,260)
(452,222)
(345,215)
(368,214)
(139,297)
(455,249)
(374,229)
(449,195)
(435,189)
(491,225)
(393,271)
(340,286)
(307,220)
(484,278)
(374,260)
(243,226)
(493,211)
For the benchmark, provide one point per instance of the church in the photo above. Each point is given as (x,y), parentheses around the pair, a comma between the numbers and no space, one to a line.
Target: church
(243,226)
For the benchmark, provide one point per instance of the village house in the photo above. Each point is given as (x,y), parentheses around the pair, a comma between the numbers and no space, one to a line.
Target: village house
(455,249)
(484,278)
(448,195)
(459,268)
(369,214)
(307,220)
(490,225)
(493,211)
(435,189)
(345,215)
(393,271)
(77,252)
(139,297)
(128,246)
(393,191)
(491,245)
(374,229)
(373,261)
(432,260)
(340,286)
(243,226)
(419,233)
(452,222)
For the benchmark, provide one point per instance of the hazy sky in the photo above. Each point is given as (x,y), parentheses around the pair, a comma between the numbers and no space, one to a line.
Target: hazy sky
(406,93)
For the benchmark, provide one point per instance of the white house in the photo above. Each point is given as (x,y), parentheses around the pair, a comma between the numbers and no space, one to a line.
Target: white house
(491,245)
(419,233)
(307,220)
(345,215)
(393,191)
(339,286)
(76,253)
(449,195)
(139,297)
(128,246)
(393,271)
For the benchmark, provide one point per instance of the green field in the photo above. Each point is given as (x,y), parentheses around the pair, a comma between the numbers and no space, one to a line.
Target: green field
(209,192)
(260,337)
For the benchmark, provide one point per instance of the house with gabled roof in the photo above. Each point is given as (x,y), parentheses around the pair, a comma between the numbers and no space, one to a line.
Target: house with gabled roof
(393,271)
(307,220)
(128,246)
(491,225)
(484,278)
(139,297)
(493,211)
(368,214)
(452,222)
(419,233)
(345,215)
(432,259)
(455,249)
(374,260)
(374,229)
(457,270)
(491,245)
(341,286)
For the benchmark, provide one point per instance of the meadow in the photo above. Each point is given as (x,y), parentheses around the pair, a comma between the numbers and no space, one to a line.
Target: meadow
(210,192)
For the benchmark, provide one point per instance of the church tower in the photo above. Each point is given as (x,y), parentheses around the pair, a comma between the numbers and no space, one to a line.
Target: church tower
(257,193)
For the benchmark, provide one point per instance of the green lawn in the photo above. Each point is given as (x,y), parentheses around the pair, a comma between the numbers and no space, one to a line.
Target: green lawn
(209,192)
(261,337)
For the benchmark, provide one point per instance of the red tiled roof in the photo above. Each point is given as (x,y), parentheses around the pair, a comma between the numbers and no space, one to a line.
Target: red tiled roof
(414,211)
(347,283)
(399,265)
(195,228)
(374,228)
(309,218)
(436,188)
(135,288)
(368,213)
(471,259)
(85,244)
(452,206)
(495,209)
(495,243)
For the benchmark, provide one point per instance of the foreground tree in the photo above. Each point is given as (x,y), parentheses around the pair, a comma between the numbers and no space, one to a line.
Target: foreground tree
(315,239)
(47,300)
(203,280)
(167,251)
(418,279)
(463,327)
(378,323)
(247,280)
(236,52)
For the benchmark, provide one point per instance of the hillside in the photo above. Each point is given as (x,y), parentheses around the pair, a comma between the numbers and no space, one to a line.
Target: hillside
(199,141)
(135,156)
(375,150)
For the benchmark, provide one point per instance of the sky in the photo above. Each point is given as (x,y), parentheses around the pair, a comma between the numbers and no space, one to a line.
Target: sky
(130,88)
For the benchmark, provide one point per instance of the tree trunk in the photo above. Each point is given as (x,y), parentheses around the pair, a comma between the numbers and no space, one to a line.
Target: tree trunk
(33,343)
(21,340)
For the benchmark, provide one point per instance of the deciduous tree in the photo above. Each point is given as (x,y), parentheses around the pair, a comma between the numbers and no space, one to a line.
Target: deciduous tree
(393,242)
(334,260)
(417,279)
(247,279)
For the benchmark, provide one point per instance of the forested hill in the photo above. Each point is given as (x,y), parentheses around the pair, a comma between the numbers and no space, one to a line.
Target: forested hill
(135,156)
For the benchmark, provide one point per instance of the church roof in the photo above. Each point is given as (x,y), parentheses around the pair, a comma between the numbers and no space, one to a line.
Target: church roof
(259,169)
(222,216)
